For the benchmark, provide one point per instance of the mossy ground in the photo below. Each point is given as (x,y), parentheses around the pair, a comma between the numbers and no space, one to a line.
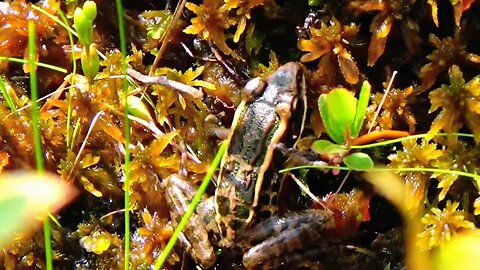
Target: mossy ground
(216,46)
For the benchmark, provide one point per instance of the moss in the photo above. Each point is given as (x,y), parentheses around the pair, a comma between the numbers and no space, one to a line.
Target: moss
(215,46)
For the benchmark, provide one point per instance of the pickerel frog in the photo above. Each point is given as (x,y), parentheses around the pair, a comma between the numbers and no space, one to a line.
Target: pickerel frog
(243,210)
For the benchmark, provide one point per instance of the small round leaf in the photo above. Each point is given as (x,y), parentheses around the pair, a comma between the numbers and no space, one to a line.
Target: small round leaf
(327,147)
(358,161)
(90,10)
(333,129)
(342,107)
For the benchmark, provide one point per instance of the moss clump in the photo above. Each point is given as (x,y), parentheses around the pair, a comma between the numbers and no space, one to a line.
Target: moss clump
(215,46)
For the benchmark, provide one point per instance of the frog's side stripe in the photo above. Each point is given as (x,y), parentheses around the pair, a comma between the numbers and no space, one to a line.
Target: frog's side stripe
(285,115)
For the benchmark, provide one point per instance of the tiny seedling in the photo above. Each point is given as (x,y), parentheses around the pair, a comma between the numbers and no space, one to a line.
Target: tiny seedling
(343,116)
(83,23)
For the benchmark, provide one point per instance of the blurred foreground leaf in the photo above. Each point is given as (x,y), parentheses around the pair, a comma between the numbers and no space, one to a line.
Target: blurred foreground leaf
(26,198)
(462,252)
(394,189)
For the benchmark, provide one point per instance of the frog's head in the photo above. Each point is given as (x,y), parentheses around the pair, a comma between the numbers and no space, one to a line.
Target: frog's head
(287,86)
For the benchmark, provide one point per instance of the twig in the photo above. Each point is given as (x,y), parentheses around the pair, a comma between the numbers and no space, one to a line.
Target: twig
(309,193)
(383,100)
(162,80)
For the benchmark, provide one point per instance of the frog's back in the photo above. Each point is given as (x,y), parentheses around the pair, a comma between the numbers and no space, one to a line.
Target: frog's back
(246,177)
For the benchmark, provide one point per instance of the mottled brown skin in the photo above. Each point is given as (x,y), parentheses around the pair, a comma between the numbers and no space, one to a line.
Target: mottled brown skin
(246,173)
(245,204)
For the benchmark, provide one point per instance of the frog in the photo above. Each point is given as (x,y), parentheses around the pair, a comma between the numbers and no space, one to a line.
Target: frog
(243,213)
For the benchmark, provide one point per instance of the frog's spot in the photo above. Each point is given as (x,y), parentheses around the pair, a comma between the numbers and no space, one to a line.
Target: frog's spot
(223,205)
(241,212)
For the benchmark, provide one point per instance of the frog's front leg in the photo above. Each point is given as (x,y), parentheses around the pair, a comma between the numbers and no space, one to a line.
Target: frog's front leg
(296,157)
(277,241)
(195,238)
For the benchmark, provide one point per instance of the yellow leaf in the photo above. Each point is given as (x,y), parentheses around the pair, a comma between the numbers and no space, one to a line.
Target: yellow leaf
(182,101)
(240,29)
(157,146)
(348,67)
(89,160)
(88,186)
(476,206)
(433,5)
(461,253)
(393,189)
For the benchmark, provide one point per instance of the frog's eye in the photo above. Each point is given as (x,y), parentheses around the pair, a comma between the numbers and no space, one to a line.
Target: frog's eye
(253,89)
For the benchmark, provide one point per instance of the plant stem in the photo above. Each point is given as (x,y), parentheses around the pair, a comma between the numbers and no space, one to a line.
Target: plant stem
(379,135)
(72,82)
(410,137)
(6,96)
(32,57)
(379,169)
(23,61)
(123,48)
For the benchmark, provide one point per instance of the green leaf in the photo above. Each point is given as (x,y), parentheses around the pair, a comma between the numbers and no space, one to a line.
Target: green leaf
(362,105)
(358,161)
(253,39)
(163,19)
(327,147)
(90,61)
(12,210)
(90,10)
(332,129)
(338,109)
(342,107)
(137,108)
(83,26)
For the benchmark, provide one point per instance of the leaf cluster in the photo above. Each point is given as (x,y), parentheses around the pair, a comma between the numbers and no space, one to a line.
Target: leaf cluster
(215,17)
(328,43)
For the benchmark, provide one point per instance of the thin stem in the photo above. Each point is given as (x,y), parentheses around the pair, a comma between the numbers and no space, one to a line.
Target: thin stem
(23,61)
(166,36)
(416,169)
(32,57)
(72,82)
(163,80)
(307,191)
(7,97)
(410,137)
(123,48)
(64,24)
(387,91)
(84,143)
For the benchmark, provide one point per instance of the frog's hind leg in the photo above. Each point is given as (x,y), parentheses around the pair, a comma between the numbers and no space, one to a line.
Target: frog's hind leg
(195,237)
(277,238)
